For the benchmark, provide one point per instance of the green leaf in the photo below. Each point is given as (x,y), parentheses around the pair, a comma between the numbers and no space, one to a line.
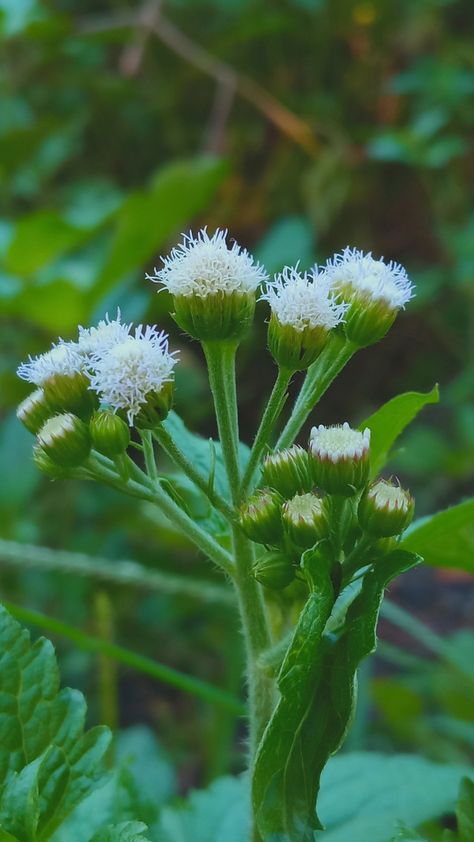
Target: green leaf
(148,217)
(366,795)
(465,811)
(278,773)
(445,539)
(124,832)
(390,420)
(218,814)
(48,764)
(317,685)
(38,239)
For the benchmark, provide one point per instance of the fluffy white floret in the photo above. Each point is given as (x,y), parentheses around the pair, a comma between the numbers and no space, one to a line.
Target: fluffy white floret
(109,332)
(380,280)
(63,358)
(304,300)
(203,265)
(124,375)
(339,442)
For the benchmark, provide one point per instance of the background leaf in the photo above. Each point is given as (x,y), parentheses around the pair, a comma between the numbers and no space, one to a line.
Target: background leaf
(390,420)
(445,539)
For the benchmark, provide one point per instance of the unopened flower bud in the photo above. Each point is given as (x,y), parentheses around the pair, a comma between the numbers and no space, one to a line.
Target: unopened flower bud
(375,291)
(213,286)
(65,439)
(260,517)
(385,509)
(110,434)
(304,520)
(34,411)
(274,570)
(45,464)
(287,471)
(339,459)
(305,309)
(60,373)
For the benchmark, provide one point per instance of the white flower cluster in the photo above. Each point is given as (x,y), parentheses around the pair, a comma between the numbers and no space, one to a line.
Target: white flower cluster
(123,366)
(339,442)
(365,274)
(304,300)
(202,266)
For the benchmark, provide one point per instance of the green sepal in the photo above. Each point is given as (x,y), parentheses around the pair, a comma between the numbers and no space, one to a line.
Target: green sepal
(221,315)
(294,349)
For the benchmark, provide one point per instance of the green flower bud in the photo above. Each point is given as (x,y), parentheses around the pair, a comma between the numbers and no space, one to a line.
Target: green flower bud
(304,311)
(213,286)
(294,349)
(260,517)
(66,440)
(339,458)
(287,471)
(375,291)
(221,315)
(304,520)
(109,433)
(71,393)
(274,570)
(156,407)
(45,464)
(34,411)
(385,509)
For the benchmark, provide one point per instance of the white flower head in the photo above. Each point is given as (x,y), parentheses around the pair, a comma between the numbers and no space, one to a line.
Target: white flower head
(63,358)
(366,274)
(304,300)
(339,442)
(109,332)
(202,266)
(126,374)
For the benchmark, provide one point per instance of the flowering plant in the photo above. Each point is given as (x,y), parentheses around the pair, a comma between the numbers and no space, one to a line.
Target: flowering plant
(308,536)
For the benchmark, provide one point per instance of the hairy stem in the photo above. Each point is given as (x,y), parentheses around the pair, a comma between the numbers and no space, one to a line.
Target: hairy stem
(267,424)
(318,378)
(221,366)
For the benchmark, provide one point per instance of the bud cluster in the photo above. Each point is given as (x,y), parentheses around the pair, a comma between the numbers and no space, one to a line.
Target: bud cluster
(306,501)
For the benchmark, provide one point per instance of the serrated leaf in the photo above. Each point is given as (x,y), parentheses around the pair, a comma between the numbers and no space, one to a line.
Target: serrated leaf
(390,420)
(124,832)
(47,763)
(445,539)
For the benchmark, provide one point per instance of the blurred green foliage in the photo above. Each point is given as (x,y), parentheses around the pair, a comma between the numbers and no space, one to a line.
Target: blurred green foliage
(302,126)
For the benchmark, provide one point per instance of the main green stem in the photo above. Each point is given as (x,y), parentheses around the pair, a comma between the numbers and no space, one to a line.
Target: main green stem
(269,418)
(318,378)
(220,357)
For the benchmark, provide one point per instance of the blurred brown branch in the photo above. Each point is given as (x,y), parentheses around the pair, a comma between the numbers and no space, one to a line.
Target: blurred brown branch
(151,20)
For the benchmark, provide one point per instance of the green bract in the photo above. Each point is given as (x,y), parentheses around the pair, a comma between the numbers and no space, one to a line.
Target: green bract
(287,471)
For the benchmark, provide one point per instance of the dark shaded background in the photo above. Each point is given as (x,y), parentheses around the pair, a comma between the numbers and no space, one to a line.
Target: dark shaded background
(302,127)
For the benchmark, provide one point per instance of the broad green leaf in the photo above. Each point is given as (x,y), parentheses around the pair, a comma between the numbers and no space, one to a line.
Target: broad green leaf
(390,420)
(40,238)
(218,814)
(148,217)
(464,817)
(445,539)
(407,835)
(124,832)
(48,764)
(366,796)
